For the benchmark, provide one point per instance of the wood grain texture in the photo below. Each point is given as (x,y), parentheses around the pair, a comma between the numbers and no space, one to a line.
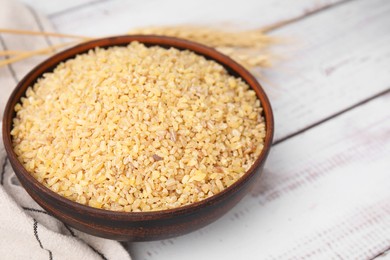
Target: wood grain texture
(317,187)
(124,15)
(336,59)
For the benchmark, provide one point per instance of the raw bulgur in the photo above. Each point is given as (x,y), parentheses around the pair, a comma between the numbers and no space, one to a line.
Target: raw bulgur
(138,128)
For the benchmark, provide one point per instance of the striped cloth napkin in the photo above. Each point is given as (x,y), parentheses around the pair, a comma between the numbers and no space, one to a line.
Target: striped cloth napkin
(27,231)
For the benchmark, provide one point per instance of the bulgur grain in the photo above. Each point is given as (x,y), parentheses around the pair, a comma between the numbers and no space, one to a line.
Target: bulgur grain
(138,128)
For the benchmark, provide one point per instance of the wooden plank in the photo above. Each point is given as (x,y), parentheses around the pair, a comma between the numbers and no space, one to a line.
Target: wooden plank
(325,194)
(118,17)
(339,58)
(50,7)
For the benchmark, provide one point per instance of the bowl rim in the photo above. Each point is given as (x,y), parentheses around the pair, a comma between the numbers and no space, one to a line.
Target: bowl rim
(150,40)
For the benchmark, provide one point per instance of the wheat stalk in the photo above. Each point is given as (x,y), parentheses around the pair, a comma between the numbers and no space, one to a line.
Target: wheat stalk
(28,54)
(50,34)
(246,47)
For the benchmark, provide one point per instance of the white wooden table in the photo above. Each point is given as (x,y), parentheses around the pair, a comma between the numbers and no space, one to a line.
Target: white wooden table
(331,99)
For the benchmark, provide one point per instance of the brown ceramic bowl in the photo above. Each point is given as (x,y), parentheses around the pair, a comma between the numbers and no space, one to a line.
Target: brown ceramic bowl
(138,226)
